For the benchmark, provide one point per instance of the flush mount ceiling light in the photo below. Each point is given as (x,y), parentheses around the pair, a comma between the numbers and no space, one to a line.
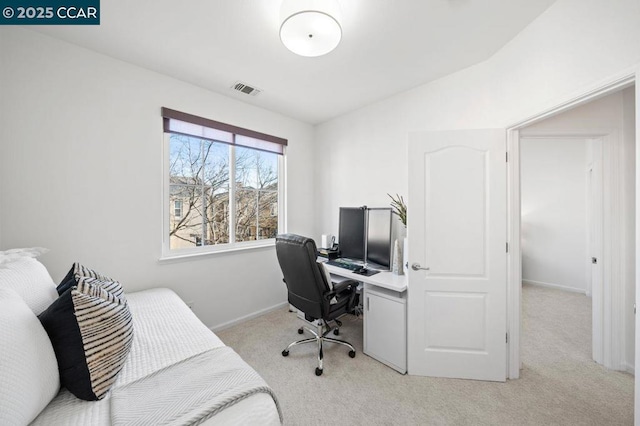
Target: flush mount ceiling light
(311,31)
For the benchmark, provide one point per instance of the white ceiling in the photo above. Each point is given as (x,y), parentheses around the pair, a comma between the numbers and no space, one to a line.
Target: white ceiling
(388,46)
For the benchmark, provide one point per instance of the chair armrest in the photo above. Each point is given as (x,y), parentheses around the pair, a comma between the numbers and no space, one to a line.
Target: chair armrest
(342,287)
(345,285)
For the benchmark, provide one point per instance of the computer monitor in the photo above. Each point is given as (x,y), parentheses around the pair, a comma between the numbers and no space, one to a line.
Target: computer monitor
(351,232)
(378,247)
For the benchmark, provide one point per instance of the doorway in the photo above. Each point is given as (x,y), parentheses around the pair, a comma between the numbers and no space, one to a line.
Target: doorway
(612,315)
(561,201)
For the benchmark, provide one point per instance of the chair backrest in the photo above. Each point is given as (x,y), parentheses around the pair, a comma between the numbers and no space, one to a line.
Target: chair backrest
(306,285)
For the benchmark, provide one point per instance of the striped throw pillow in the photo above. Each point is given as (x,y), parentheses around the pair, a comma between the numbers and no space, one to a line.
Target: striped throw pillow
(91,331)
(78,271)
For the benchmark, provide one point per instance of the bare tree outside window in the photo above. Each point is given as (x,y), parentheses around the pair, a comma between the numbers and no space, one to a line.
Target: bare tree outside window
(200,181)
(256,190)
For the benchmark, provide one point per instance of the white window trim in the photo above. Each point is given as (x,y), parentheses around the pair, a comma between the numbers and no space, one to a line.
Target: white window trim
(167,254)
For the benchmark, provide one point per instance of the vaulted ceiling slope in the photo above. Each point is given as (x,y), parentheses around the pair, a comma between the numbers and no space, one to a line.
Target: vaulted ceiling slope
(388,46)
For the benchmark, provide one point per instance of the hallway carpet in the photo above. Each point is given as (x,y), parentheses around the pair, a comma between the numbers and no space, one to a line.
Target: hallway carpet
(559,384)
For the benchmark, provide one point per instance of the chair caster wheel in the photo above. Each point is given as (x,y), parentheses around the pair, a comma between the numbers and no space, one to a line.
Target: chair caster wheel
(336,332)
(318,371)
(285,353)
(352,354)
(300,330)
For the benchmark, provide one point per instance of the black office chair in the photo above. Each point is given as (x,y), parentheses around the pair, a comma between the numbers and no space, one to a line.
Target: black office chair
(310,293)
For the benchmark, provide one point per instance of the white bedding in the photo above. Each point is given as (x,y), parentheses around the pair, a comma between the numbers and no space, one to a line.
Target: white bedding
(160,319)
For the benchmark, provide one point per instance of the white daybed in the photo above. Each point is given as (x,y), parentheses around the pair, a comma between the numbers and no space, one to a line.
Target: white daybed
(167,338)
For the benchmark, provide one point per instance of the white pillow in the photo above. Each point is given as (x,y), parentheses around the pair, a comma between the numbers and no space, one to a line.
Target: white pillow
(28,365)
(8,256)
(31,280)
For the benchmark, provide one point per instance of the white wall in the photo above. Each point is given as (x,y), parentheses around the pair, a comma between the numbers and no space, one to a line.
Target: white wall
(573,45)
(81,173)
(554,212)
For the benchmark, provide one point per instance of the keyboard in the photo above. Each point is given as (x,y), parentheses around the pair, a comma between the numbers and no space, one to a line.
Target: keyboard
(344,264)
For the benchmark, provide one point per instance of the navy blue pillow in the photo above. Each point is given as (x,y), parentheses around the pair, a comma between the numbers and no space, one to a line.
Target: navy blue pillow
(63,330)
(91,331)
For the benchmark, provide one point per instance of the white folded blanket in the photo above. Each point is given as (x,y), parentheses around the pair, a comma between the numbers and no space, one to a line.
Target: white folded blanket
(188,392)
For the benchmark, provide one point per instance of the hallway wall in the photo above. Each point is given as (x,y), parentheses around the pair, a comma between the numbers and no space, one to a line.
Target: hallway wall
(554,212)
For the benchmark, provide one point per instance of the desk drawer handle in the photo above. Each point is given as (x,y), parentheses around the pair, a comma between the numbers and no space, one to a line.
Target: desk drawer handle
(417,267)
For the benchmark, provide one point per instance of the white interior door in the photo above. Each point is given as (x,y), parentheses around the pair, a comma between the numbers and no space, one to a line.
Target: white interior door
(457,229)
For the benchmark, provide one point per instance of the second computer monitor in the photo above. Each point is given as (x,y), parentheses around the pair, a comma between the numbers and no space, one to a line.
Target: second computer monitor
(379,238)
(351,233)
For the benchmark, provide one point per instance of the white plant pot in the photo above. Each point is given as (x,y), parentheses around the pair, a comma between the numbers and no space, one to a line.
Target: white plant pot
(405,253)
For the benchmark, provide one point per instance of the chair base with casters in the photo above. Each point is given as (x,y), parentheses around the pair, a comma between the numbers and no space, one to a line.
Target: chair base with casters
(319,337)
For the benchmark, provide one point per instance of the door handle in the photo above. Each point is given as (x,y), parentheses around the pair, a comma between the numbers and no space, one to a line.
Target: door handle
(417,267)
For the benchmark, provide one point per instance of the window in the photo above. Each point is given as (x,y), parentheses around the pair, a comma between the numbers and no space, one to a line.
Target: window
(197,238)
(223,185)
(177,209)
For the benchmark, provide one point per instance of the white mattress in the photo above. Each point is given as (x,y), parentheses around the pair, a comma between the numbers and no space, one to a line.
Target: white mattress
(160,320)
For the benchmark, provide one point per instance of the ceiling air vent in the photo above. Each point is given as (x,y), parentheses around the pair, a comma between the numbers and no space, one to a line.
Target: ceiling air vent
(245,88)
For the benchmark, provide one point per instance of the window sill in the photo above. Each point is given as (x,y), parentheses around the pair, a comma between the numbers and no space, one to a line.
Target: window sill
(188,254)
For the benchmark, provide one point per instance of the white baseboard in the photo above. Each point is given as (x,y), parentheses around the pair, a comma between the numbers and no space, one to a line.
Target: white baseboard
(236,321)
(556,286)
(629,368)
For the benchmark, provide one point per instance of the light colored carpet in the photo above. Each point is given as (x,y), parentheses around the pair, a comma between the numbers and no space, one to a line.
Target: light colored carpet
(559,383)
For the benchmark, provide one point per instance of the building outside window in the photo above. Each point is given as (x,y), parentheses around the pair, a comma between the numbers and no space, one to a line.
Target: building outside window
(223,185)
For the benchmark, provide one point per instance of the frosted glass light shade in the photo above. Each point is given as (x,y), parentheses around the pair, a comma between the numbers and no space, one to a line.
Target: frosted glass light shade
(310,33)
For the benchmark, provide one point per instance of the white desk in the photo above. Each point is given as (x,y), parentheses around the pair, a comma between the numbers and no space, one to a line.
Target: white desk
(385,315)
(382,279)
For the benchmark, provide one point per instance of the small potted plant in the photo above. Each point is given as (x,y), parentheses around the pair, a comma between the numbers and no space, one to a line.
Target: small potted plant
(399,208)
(400,247)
